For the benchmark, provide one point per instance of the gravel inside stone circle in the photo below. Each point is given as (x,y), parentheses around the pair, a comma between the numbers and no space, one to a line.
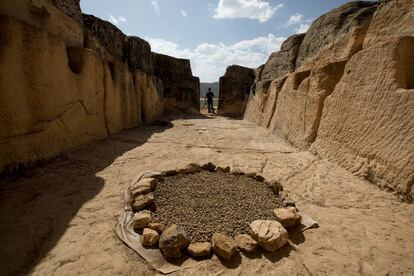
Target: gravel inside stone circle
(207,202)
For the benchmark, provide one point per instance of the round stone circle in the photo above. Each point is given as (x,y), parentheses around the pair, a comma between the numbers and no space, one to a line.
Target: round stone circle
(206,202)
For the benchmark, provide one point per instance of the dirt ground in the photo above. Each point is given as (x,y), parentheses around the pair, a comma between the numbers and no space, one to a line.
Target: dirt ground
(59,219)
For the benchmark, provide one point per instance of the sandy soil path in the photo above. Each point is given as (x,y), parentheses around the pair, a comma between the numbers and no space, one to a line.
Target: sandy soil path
(59,219)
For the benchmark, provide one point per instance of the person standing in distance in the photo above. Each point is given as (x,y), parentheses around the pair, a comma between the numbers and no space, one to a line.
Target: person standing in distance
(209,98)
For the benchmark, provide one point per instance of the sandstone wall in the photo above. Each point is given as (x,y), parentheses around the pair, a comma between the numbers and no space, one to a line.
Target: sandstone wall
(181,90)
(234,90)
(350,96)
(67,79)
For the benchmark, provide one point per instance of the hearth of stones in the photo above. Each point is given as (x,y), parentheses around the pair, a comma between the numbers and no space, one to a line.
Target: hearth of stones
(208,209)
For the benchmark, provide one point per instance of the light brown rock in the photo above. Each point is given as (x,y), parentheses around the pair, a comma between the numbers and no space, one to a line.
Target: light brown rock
(288,217)
(269,234)
(274,186)
(223,169)
(142,201)
(159,227)
(246,243)
(149,237)
(190,168)
(234,90)
(141,219)
(223,246)
(199,249)
(172,241)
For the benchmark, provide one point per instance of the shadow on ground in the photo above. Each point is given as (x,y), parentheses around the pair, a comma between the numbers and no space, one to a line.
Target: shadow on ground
(35,214)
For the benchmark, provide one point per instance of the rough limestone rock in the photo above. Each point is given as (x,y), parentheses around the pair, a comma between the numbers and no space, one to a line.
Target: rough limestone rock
(139,56)
(367,132)
(150,183)
(278,65)
(288,217)
(149,237)
(269,234)
(190,168)
(392,18)
(199,249)
(223,246)
(110,37)
(86,92)
(142,219)
(274,186)
(234,90)
(71,8)
(159,227)
(142,201)
(339,30)
(181,89)
(172,241)
(245,243)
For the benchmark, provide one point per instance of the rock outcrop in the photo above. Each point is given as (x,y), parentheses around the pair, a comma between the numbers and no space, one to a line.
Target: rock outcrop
(348,97)
(181,90)
(68,79)
(234,90)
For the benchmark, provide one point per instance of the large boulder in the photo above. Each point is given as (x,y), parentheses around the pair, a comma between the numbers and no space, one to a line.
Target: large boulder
(269,234)
(235,88)
(172,241)
(181,89)
(223,246)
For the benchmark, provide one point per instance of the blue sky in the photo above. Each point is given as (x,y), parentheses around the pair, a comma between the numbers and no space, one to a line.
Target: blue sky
(213,34)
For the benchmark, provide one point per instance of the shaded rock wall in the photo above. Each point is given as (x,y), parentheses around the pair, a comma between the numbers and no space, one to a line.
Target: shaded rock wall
(181,90)
(67,80)
(350,95)
(234,90)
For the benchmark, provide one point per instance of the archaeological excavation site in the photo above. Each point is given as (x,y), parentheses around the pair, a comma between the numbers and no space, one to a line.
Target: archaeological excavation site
(110,163)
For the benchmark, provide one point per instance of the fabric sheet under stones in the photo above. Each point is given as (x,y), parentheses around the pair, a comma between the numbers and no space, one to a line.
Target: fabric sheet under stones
(207,202)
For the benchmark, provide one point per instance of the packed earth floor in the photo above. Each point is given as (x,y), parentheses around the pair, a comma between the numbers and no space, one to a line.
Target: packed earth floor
(59,219)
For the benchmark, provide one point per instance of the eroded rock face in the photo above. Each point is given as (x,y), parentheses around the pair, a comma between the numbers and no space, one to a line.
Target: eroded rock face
(71,8)
(334,30)
(69,79)
(278,66)
(181,89)
(234,90)
(345,99)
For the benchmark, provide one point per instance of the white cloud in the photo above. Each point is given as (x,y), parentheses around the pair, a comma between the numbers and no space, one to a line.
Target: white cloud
(295,19)
(116,20)
(210,60)
(183,13)
(156,7)
(253,9)
(303,28)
